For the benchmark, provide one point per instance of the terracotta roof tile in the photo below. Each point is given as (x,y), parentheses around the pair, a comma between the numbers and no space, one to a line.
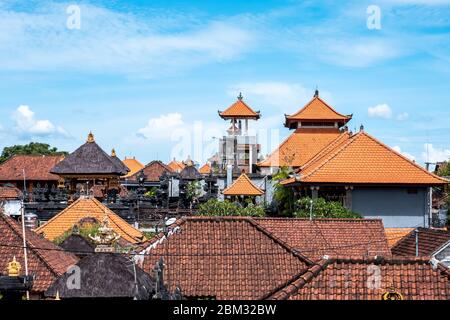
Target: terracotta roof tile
(153,171)
(205,169)
(84,208)
(46,261)
(317,109)
(227,258)
(363,159)
(332,237)
(243,186)
(239,109)
(134,166)
(176,166)
(350,279)
(394,235)
(9,193)
(302,145)
(37,168)
(430,240)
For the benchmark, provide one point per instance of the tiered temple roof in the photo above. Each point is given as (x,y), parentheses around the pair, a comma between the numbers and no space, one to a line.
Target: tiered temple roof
(239,110)
(90,159)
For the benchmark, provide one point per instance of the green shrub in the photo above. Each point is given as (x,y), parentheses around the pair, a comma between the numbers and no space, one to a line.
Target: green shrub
(322,209)
(214,207)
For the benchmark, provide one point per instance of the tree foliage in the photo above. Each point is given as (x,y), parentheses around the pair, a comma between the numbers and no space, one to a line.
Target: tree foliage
(214,207)
(322,209)
(283,196)
(444,170)
(33,148)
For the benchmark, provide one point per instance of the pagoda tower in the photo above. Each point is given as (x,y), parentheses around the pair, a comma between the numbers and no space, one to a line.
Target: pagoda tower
(315,126)
(238,148)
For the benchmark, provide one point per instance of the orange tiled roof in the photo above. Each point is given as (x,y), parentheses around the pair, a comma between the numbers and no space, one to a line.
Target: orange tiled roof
(92,208)
(239,109)
(176,166)
(363,159)
(205,169)
(243,186)
(301,146)
(37,168)
(152,171)
(227,258)
(394,235)
(317,109)
(348,279)
(46,261)
(134,166)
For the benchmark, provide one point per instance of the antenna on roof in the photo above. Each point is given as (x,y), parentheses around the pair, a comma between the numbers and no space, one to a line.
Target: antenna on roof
(25,252)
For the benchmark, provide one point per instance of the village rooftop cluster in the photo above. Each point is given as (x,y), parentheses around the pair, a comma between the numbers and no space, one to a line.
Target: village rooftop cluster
(330,214)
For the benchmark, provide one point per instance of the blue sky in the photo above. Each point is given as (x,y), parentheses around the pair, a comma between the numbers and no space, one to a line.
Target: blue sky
(147,77)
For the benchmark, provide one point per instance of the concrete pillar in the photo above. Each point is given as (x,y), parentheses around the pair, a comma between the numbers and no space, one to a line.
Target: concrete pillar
(315,192)
(246,126)
(349,197)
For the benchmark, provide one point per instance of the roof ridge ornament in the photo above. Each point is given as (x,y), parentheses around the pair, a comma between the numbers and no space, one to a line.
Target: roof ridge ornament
(113,153)
(91,137)
(316,93)
(240,97)
(14,268)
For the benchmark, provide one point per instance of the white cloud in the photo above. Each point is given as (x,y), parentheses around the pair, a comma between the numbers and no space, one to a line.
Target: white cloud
(286,97)
(405,154)
(110,41)
(161,127)
(27,125)
(433,155)
(380,111)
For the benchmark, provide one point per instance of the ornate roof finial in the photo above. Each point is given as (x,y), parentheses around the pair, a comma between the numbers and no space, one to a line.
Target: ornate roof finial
(392,294)
(113,153)
(361,128)
(240,97)
(316,93)
(14,268)
(57,298)
(90,138)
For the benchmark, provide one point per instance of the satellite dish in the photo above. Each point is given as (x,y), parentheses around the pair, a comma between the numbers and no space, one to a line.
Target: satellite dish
(171,221)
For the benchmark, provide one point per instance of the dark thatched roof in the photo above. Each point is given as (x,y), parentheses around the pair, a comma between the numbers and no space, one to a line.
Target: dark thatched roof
(105,275)
(90,159)
(190,173)
(78,245)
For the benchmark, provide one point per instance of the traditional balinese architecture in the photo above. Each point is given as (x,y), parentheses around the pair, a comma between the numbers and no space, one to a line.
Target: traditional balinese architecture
(105,276)
(368,279)
(134,166)
(176,166)
(223,258)
(370,178)
(33,170)
(151,174)
(89,165)
(78,245)
(88,207)
(46,261)
(333,237)
(239,149)
(242,188)
(205,169)
(13,285)
(315,126)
